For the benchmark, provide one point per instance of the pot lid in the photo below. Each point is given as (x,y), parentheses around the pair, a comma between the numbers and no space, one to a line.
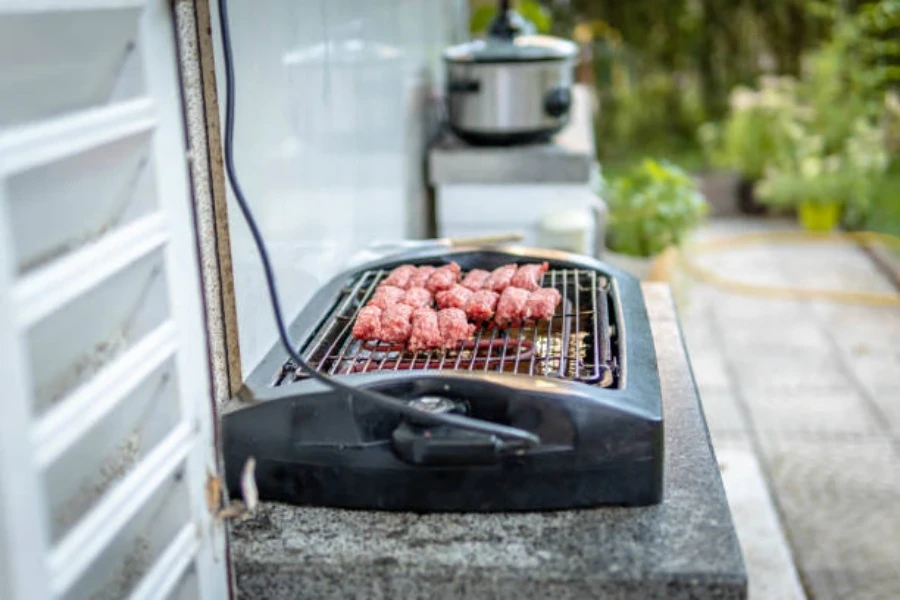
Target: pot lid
(522,48)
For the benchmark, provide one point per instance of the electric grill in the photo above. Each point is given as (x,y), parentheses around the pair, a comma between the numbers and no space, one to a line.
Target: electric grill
(585,382)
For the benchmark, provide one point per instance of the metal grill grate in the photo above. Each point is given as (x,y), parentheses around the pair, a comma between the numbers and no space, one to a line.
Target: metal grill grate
(577,343)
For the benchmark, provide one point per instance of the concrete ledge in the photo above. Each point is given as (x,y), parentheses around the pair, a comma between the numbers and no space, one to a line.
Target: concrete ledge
(685,547)
(568,158)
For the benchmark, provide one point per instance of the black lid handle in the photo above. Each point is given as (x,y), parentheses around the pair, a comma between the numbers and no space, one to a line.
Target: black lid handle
(503,26)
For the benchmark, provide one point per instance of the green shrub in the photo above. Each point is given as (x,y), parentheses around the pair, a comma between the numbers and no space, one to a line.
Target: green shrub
(808,170)
(756,129)
(651,207)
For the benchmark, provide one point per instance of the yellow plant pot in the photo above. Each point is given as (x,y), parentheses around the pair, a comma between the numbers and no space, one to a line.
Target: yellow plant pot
(815,216)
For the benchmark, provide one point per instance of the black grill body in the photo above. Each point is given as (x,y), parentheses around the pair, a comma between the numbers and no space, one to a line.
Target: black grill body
(585,382)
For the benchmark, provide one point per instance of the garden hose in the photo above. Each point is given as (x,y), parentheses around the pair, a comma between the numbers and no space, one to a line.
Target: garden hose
(685,258)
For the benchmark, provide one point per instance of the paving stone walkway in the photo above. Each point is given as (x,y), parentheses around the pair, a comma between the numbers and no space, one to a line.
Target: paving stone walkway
(803,398)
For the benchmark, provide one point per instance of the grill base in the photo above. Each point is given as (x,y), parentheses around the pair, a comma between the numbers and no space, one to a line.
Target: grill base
(458,490)
(316,449)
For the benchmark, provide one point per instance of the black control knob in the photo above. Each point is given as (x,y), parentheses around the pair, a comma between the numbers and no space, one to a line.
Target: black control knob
(558,101)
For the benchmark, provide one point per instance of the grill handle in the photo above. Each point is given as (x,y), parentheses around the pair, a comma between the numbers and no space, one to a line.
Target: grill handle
(449,446)
(510,440)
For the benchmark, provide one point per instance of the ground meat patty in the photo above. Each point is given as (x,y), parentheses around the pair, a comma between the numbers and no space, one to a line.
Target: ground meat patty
(443,278)
(476,279)
(511,306)
(417,297)
(420,277)
(400,276)
(541,304)
(395,323)
(528,277)
(500,278)
(481,305)
(385,296)
(455,297)
(426,333)
(454,327)
(368,324)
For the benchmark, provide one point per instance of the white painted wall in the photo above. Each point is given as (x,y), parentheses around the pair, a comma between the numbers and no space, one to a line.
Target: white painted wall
(329,136)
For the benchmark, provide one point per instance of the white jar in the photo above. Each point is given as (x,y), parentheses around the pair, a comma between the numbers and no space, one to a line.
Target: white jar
(569,231)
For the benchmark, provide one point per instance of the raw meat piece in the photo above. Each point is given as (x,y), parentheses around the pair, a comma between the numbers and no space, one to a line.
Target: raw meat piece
(417,297)
(395,323)
(500,278)
(385,296)
(528,277)
(443,278)
(368,323)
(420,277)
(454,327)
(400,276)
(426,333)
(455,297)
(541,304)
(481,305)
(511,306)
(476,279)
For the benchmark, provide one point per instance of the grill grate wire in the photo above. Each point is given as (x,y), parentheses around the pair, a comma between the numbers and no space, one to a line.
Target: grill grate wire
(576,344)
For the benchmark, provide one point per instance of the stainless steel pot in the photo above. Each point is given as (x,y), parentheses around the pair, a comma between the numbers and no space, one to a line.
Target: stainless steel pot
(509,91)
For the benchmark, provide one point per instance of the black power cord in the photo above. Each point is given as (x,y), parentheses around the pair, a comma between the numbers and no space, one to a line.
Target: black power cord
(511,439)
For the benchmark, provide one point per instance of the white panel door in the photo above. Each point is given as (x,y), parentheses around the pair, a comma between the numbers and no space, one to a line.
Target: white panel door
(107,429)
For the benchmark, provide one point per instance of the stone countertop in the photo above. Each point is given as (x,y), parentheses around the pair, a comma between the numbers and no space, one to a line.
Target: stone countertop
(567,159)
(685,547)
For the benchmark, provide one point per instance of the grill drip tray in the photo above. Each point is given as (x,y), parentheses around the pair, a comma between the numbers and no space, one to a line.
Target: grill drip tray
(584,381)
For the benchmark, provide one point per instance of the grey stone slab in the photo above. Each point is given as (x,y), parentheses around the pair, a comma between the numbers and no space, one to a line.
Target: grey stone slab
(684,547)
(877,358)
(568,158)
(888,259)
(721,409)
(809,410)
(874,367)
(698,335)
(709,368)
(771,336)
(829,441)
(845,279)
(763,372)
(724,441)
(770,565)
(833,266)
(822,257)
(887,399)
(838,501)
(860,326)
(740,308)
(744,267)
(851,584)
(694,310)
